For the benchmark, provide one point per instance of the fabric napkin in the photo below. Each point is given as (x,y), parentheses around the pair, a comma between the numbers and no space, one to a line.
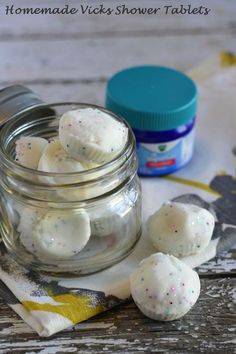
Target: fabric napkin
(49,304)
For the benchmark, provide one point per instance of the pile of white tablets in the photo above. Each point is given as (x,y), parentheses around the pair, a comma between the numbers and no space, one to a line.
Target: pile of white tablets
(87,138)
(164,287)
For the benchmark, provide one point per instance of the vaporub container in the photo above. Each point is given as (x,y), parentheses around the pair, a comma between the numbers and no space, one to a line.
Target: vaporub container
(41,211)
(160,105)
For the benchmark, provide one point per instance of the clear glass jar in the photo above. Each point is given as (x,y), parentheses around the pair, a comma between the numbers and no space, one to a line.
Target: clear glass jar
(109,196)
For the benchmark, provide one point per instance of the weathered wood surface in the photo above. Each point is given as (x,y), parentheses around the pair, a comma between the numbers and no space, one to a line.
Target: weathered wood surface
(207,328)
(70,58)
(33,47)
(69,61)
(223,265)
(220,20)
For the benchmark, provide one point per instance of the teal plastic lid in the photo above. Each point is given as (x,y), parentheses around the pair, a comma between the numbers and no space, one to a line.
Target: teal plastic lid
(152,98)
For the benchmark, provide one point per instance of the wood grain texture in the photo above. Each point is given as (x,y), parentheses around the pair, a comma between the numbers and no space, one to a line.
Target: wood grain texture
(61,49)
(66,58)
(97,59)
(89,92)
(20,27)
(208,328)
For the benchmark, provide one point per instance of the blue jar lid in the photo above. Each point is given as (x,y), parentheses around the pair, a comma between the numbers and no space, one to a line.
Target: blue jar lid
(152,98)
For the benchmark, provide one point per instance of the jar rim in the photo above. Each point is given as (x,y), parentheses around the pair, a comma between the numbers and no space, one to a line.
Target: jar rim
(126,152)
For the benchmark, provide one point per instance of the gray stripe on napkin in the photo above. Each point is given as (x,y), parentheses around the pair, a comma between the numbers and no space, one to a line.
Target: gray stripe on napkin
(7,295)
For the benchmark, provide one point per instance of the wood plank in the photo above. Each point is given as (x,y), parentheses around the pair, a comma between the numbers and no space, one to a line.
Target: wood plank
(208,327)
(56,57)
(18,27)
(97,59)
(79,92)
(224,264)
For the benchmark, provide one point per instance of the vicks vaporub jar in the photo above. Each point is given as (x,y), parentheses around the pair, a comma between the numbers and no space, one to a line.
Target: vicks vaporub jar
(160,104)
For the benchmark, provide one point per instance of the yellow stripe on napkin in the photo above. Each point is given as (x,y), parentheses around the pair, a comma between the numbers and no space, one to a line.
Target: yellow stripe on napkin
(76,308)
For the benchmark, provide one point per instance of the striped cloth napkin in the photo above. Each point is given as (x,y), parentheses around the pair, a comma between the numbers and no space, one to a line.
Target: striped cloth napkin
(50,305)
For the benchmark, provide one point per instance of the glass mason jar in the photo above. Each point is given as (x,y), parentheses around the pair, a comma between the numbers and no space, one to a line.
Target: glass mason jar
(107,197)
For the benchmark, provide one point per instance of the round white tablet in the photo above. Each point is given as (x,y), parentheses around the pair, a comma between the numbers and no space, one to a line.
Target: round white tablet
(180,229)
(91,134)
(29,150)
(61,235)
(164,288)
(55,159)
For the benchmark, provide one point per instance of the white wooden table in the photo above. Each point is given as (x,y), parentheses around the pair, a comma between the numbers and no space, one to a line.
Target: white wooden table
(66,58)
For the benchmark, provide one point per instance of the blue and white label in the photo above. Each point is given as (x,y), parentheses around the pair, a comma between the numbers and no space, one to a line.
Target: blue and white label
(163,158)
